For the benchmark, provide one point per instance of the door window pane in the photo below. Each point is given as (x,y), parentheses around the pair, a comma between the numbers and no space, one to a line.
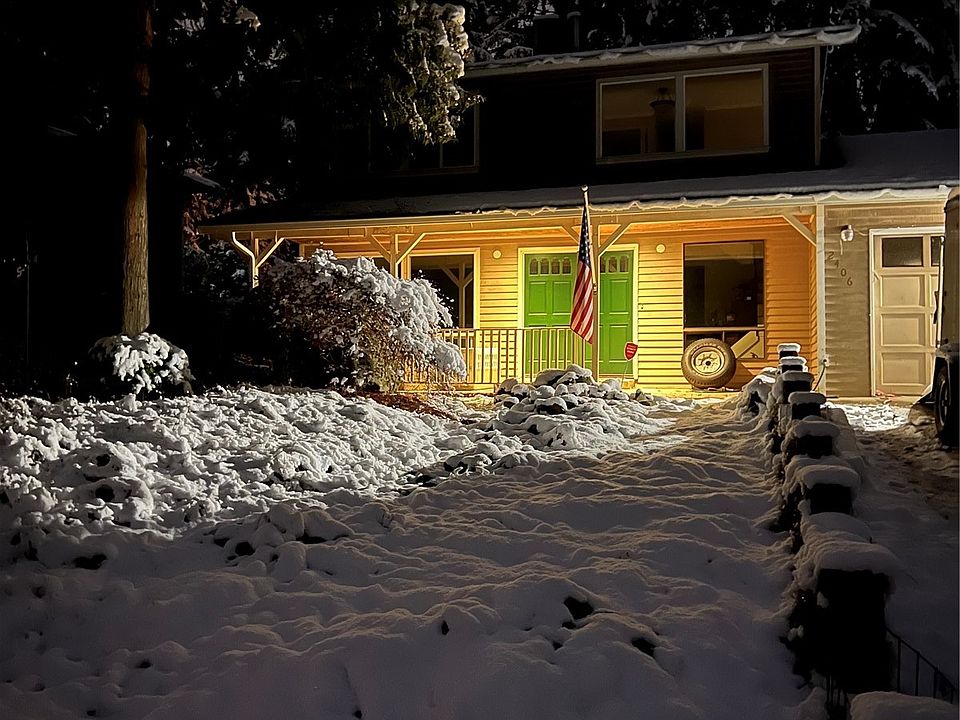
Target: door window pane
(901,252)
(724,112)
(638,118)
(723,284)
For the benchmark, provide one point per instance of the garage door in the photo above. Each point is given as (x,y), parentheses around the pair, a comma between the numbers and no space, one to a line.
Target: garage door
(906,272)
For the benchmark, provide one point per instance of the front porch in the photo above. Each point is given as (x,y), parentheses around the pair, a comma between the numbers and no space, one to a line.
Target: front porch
(746,275)
(492,355)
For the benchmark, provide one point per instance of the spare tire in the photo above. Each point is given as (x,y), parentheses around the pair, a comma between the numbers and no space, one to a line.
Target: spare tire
(708,363)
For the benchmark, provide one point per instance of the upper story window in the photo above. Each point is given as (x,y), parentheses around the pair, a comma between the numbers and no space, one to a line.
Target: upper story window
(459,154)
(723,111)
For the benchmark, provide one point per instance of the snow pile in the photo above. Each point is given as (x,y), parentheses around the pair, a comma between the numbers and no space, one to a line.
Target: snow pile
(567,409)
(755,393)
(894,706)
(161,465)
(142,365)
(580,587)
(164,464)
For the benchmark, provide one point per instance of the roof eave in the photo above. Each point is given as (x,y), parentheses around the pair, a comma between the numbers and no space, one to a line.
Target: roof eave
(879,195)
(821,37)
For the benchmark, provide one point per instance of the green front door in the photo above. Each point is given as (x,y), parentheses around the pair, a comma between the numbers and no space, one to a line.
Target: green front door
(616,311)
(548,299)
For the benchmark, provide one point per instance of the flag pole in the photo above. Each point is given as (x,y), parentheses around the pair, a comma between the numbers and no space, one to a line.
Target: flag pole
(595,261)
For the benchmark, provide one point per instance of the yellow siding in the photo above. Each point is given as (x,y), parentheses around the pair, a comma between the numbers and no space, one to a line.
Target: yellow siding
(789,293)
(847,304)
(788,307)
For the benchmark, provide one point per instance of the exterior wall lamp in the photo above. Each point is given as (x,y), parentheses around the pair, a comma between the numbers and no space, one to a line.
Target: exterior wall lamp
(846,233)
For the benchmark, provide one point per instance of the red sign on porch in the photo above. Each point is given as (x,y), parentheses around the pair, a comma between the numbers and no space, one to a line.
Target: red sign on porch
(629,350)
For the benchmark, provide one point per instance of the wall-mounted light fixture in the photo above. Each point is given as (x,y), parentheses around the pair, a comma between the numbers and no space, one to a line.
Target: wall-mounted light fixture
(846,233)
(497,254)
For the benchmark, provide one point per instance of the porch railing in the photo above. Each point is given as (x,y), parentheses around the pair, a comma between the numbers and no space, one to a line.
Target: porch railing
(495,354)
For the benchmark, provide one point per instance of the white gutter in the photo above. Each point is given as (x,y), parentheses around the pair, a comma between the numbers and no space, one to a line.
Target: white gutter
(721,47)
(888,195)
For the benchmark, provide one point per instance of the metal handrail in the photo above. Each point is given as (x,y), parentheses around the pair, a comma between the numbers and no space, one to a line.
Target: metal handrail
(940,686)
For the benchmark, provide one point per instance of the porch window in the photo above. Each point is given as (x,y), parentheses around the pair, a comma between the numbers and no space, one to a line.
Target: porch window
(723,285)
(452,276)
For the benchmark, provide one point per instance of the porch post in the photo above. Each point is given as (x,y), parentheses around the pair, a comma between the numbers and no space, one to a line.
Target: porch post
(256,257)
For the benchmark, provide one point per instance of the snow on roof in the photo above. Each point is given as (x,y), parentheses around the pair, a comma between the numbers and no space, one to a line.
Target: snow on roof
(899,164)
(741,44)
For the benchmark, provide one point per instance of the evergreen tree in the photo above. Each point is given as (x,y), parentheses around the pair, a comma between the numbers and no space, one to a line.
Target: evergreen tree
(249,95)
(900,74)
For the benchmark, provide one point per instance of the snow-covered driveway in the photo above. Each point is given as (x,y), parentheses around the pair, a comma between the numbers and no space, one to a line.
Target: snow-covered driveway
(633,582)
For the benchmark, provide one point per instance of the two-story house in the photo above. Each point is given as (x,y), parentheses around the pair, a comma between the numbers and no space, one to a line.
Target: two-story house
(715,214)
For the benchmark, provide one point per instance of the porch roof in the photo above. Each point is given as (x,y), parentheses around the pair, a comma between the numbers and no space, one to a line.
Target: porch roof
(910,161)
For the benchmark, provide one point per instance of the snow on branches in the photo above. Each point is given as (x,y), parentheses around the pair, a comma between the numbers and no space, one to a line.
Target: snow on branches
(370,323)
(145,364)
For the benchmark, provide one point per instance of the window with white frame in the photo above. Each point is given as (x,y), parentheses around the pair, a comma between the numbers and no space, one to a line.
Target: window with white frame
(723,111)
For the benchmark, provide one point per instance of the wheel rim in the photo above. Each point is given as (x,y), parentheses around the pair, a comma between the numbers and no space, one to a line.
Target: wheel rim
(708,361)
(943,404)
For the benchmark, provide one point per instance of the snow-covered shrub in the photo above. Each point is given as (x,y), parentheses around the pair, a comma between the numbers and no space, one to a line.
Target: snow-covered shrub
(144,365)
(367,325)
(216,271)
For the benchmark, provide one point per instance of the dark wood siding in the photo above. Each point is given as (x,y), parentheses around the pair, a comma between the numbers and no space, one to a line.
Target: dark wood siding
(539,128)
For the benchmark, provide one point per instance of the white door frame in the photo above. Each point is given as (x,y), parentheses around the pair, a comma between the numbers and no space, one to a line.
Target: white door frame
(872,274)
(631,247)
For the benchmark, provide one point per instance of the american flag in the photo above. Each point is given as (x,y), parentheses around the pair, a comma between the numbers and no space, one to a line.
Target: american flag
(581,316)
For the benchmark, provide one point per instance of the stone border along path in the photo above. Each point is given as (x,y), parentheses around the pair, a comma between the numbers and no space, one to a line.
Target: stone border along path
(842,577)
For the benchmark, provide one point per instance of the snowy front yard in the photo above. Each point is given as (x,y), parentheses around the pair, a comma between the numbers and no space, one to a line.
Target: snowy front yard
(251,554)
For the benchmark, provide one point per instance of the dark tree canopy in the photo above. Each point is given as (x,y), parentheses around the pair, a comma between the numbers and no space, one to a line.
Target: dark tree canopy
(901,74)
(246,94)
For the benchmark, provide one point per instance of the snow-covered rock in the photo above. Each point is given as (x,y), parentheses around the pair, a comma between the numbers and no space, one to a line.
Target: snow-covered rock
(895,706)
(839,549)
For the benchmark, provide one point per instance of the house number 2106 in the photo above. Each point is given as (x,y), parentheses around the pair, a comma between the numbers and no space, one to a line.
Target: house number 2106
(835,261)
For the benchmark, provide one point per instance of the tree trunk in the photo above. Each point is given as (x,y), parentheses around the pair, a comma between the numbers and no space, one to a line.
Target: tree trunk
(136,295)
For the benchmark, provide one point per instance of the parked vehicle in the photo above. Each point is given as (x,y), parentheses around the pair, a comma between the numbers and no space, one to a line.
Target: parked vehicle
(946,383)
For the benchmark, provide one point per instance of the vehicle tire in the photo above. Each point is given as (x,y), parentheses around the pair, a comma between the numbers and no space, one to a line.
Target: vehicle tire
(708,363)
(945,407)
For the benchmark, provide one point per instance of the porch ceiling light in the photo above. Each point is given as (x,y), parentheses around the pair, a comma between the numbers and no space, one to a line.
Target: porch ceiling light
(846,233)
